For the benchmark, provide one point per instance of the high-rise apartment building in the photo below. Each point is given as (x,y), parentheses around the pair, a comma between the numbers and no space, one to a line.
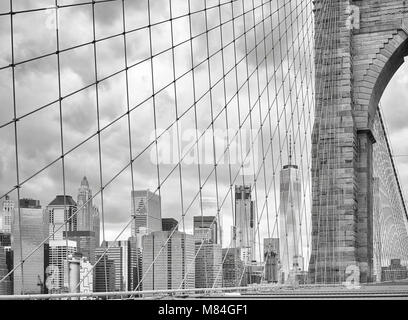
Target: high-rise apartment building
(289,218)
(173,259)
(28,233)
(61,212)
(244,229)
(208,265)
(146,211)
(118,252)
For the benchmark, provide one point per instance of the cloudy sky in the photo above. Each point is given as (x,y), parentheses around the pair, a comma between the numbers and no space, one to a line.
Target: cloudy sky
(37,92)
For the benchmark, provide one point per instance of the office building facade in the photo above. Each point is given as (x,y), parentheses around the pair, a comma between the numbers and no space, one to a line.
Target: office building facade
(118,252)
(205,229)
(173,258)
(232,268)
(146,209)
(208,265)
(26,237)
(86,243)
(61,213)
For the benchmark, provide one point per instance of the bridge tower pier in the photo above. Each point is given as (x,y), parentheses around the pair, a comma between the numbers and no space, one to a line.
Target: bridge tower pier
(359,45)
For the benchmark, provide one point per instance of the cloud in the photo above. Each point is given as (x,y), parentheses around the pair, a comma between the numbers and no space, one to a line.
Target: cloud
(40,134)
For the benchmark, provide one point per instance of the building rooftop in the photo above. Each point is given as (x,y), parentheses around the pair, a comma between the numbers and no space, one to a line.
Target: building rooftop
(59,201)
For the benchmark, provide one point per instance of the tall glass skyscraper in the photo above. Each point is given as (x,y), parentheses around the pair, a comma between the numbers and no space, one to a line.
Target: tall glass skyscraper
(147,212)
(244,229)
(27,236)
(289,219)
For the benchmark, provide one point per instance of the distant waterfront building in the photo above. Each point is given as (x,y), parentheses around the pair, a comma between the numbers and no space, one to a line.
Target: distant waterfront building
(174,261)
(271,259)
(147,212)
(244,229)
(208,265)
(60,210)
(394,272)
(86,243)
(104,275)
(57,280)
(118,252)
(6,215)
(232,268)
(205,229)
(289,218)
(25,238)
(168,224)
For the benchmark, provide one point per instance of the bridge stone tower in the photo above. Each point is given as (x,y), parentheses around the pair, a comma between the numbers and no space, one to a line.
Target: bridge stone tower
(359,46)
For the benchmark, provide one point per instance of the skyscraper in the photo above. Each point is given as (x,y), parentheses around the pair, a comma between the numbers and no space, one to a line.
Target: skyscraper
(173,265)
(104,275)
(208,265)
(205,229)
(135,264)
(57,271)
(27,236)
(118,252)
(244,223)
(289,217)
(147,212)
(61,213)
(6,215)
(88,215)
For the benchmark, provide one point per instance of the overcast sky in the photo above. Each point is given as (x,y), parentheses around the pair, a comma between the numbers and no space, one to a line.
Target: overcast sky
(39,137)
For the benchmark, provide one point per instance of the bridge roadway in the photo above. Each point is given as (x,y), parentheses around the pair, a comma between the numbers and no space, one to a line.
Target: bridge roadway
(388,291)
